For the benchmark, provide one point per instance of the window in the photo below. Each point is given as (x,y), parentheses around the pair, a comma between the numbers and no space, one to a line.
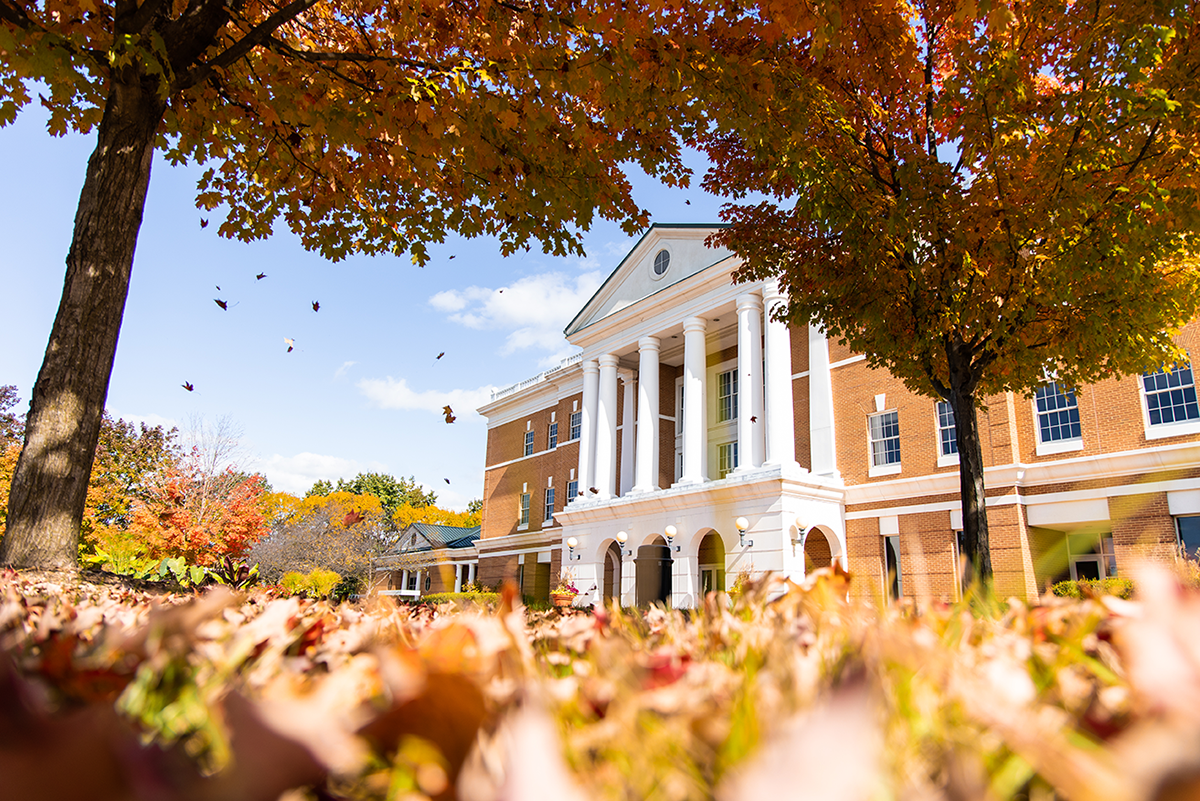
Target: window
(1171,396)
(524,509)
(727,396)
(891,567)
(662,261)
(529,443)
(727,459)
(411,583)
(552,437)
(1058,415)
(1188,531)
(1091,556)
(576,425)
(947,432)
(572,490)
(549,505)
(428,582)
(885,440)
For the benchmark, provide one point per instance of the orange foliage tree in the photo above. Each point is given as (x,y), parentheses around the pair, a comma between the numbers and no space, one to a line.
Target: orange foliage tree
(366,126)
(340,531)
(975,195)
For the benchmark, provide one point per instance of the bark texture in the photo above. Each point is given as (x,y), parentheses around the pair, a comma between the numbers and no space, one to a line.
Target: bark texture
(964,377)
(49,487)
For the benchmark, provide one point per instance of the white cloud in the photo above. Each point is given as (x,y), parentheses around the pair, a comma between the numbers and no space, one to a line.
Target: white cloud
(341,371)
(297,473)
(534,310)
(391,393)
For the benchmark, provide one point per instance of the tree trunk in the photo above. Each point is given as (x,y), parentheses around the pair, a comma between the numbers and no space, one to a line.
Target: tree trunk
(49,486)
(976,549)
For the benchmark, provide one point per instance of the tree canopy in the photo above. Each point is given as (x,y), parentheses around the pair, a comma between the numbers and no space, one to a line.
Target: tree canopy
(365,126)
(974,195)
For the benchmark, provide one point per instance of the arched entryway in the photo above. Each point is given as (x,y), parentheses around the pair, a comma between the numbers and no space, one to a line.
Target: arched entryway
(612,572)
(653,572)
(817,553)
(711,560)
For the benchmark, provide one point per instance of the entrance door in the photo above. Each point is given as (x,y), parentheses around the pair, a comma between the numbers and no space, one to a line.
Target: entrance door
(1086,567)
(652,570)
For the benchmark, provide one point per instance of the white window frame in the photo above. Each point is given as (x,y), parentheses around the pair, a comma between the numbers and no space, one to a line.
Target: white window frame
(523,514)
(575,428)
(654,276)
(528,444)
(888,468)
(733,397)
(552,436)
(1164,430)
(945,459)
(549,506)
(572,490)
(1060,445)
(727,449)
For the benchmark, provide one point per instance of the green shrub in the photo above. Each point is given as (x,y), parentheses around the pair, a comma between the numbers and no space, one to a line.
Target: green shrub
(462,598)
(1120,587)
(317,584)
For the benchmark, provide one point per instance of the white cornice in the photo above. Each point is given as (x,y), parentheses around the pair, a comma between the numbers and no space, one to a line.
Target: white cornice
(536,397)
(524,540)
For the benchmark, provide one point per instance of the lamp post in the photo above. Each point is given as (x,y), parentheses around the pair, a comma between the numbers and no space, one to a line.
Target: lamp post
(742,524)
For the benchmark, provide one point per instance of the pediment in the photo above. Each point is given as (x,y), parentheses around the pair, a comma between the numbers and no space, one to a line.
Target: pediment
(636,277)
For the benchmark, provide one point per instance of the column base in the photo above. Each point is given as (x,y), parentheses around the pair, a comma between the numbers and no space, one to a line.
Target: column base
(642,490)
(689,482)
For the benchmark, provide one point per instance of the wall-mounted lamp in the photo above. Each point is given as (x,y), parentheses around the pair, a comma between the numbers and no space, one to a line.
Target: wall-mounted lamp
(622,538)
(801,526)
(671,531)
(742,524)
(572,544)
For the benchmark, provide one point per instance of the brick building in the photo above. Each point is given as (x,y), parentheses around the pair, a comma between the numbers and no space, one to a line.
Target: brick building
(690,411)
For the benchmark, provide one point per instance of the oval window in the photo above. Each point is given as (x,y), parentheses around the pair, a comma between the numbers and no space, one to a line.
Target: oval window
(661,262)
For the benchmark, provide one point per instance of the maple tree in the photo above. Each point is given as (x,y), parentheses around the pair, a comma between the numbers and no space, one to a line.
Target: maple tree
(366,126)
(976,196)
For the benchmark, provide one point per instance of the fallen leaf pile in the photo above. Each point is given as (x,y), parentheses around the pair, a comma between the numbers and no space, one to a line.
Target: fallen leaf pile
(788,692)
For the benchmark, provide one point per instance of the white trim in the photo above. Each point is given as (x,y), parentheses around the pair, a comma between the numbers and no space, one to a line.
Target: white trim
(1060,446)
(662,245)
(1183,502)
(883,470)
(523,458)
(1164,430)
(844,362)
(948,459)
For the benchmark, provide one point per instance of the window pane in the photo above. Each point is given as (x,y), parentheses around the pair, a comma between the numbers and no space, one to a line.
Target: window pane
(947,431)
(528,443)
(552,439)
(727,391)
(1171,397)
(576,424)
(1058,414)
(885,438)
(1189,536)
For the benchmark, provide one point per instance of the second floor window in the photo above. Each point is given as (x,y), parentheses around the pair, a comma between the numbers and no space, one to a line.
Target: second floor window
(552,437)
(576,425)
(885,438)
(947,431)
(727,459)
(524,509)
(529,443)
(1058,413)
(727,396)
(1171,396)
(549,504)
(572,490)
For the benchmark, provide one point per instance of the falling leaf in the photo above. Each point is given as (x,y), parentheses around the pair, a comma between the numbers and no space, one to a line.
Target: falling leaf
(224,306)
(501,291)
(688,202)
(452,258)
(316,306)
(450,418)
(753,419)
(261,276)
(290,343)
(188,386)
(352,517)
(440,355)
(446,480)
(203,223)
(593,490)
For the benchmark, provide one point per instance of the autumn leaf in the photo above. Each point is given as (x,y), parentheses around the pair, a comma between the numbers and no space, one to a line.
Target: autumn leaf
(290,343)
(316,306)
(440,355)
(449,413)
(260,276)
(352,518)
(188,386)
(203,222)
(221,303)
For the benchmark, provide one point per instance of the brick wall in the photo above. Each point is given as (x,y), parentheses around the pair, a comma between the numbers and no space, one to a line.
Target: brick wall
(1142,528)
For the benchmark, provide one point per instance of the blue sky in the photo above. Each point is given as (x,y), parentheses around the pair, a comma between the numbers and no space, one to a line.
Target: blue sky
(363,389)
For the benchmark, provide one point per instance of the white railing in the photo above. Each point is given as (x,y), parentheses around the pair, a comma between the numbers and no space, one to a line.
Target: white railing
(497,394)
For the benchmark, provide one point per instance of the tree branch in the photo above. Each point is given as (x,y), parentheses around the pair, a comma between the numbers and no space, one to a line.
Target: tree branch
(257,36)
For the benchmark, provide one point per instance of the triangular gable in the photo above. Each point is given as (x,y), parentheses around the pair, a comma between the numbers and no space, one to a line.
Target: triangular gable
(635,277)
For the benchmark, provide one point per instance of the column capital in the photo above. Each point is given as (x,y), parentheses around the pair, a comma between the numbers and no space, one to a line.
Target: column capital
(609,360)
(772,290)
(749,300)
(649,343)
(695,325)
(627,376)
(591,366)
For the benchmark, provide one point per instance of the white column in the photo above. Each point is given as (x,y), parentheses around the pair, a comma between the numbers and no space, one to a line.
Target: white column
(627,432)
(695,434)
(780,413)
(685,584)
(606,428)
(458,575)
(587,431)
(647,416)
(820,404)
(750,422)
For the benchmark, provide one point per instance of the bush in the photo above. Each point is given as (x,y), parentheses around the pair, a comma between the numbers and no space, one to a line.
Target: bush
(318,583)
(462,598)
(1120,587)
